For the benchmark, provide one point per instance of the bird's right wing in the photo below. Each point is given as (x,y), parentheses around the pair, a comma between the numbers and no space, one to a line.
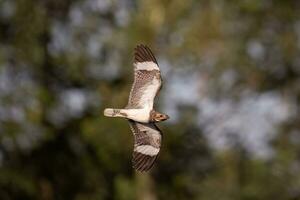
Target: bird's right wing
(147,78)
(147,142)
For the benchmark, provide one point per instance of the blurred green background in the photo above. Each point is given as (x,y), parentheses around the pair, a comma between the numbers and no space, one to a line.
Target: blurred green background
(231,86)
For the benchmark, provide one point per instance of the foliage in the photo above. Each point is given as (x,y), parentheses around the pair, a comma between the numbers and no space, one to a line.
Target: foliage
(63,62)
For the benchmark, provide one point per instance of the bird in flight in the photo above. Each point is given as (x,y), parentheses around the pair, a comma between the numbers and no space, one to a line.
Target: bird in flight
(140,112)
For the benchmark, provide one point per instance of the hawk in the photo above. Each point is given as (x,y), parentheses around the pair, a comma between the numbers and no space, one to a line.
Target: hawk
(139,110)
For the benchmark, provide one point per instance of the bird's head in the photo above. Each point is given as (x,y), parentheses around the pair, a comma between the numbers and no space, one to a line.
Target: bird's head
(158,117)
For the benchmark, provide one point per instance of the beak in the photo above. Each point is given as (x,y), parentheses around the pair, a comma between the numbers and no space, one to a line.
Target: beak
(167,117)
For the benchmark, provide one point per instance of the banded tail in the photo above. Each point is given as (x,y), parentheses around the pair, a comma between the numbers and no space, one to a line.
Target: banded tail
(111,112)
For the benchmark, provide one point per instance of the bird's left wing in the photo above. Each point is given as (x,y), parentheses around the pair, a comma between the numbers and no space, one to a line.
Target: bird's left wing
(147,78)
(147,142)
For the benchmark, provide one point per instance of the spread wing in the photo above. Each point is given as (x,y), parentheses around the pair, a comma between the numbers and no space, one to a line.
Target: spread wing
(147,142)
(147,79)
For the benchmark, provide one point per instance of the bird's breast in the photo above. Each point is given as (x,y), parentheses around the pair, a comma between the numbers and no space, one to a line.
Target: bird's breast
(139,115)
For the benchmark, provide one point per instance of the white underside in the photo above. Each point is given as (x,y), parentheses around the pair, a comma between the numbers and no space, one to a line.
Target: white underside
(147,150)
(139,115)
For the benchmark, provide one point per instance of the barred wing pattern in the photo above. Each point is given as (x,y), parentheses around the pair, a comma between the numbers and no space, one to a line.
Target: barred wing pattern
(147,142)
(147,79)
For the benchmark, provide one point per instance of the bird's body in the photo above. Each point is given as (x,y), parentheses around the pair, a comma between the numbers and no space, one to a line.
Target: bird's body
(139,110)
(140,115)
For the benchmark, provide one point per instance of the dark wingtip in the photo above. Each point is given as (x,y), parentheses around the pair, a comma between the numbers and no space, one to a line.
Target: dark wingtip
(142,163)
(143,53)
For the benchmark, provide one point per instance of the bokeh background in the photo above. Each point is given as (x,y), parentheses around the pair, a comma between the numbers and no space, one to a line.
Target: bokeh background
(231,86)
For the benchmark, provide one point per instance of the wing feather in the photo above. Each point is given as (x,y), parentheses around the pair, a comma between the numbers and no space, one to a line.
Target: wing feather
(147,142)
(147,79)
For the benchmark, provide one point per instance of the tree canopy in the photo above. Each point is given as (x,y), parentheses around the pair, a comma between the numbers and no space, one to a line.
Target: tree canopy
(231,72)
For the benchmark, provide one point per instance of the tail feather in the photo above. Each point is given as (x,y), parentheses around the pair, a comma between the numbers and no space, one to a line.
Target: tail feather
(111,112)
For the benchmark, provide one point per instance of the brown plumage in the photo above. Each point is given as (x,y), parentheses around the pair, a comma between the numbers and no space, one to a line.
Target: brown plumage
(144,135)
(142,80)
(142,53)
(139,110)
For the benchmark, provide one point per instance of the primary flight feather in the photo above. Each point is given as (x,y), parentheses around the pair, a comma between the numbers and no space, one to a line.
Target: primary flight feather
(139,110)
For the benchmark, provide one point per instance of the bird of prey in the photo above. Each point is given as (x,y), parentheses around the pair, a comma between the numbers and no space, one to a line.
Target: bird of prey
(140,112)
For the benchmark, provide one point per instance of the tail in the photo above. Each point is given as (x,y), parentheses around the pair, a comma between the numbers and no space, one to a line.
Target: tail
(111,112)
